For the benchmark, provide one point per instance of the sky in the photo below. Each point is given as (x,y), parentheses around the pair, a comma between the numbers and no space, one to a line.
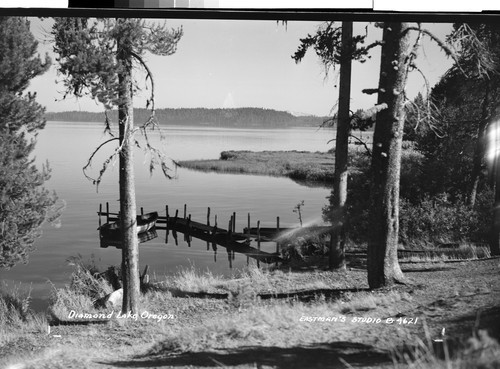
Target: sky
(247,63)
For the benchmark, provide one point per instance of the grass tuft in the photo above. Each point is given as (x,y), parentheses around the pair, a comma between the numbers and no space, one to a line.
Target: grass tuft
(480,352)
(16,317)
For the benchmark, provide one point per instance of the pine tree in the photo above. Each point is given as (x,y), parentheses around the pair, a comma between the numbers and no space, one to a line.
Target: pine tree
(97,57)
(336,45)
(24,203)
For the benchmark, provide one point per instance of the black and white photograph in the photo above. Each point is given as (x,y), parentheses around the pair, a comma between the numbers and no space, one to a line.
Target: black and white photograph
(249,189)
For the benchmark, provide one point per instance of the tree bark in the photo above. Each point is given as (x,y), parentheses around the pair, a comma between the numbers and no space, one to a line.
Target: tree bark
(339,234)
(383,265)
(479,149)
(495,235)
(128,221)
(494,141)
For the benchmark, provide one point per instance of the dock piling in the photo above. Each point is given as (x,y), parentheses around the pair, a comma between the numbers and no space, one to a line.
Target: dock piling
(100,211)
(230,229)
(278,231)
(258,234)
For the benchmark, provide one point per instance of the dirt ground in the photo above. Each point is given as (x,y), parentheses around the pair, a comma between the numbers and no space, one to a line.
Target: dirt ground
(462,298)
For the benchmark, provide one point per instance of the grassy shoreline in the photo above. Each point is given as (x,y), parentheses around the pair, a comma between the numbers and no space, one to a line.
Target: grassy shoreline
(297,165)
(245,331)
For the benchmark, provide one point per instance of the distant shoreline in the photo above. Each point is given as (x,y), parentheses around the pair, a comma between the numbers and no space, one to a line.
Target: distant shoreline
(257,118)
(185,126)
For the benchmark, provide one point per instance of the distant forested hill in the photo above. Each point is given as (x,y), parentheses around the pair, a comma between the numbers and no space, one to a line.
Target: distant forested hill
(238,118)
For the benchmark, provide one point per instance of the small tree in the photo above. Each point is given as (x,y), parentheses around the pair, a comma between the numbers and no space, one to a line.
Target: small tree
(24,203)
(97,57)
(336,45)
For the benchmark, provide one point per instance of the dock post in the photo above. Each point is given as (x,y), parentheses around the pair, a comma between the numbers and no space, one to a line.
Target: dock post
(176,215)
(248,224)
(215,220)
(277,234)
(100,211)
(174,234)
(185,210)
(234,222)
(258,234)
(258,242)
(142,210)
(166,212)
(230,229)
(144,278)
(107,212)
(208,216)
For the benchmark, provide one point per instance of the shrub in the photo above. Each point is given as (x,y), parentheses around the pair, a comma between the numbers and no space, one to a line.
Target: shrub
(14,306)
(438,220)
(300,247)
(87,279)
(423,219)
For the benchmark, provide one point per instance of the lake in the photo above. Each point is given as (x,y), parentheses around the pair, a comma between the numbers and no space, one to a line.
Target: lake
(67,147)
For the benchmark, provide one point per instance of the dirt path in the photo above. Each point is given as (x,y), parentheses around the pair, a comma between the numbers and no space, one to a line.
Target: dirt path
(460,297)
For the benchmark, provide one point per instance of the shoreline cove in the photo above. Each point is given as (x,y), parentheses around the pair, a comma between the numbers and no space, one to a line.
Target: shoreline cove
(129,315)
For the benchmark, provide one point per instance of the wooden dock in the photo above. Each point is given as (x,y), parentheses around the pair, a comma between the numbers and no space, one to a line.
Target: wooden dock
(239,242)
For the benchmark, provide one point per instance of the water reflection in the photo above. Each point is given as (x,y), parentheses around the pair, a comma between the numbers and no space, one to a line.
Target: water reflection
(233,243)
(263,197)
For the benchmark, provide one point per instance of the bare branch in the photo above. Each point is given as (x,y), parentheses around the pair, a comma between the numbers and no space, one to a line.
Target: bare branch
(150,76)
(97,180)
(426,81)
(370,113)
(370,91)
(474,50)
(413,53)
(107,127)
(361,142)
(372,45)
(89,162)
(449,52)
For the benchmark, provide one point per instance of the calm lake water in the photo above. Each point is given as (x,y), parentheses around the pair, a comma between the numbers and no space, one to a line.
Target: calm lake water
(67,147)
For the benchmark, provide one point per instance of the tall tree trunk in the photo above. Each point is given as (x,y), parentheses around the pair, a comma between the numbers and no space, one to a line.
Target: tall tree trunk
(494,143)
(383,265)
(128,221)
(338,234)
(495,230)
(479,149)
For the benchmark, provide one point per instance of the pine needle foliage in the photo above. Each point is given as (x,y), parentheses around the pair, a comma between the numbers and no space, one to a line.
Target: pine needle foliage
(24,203)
